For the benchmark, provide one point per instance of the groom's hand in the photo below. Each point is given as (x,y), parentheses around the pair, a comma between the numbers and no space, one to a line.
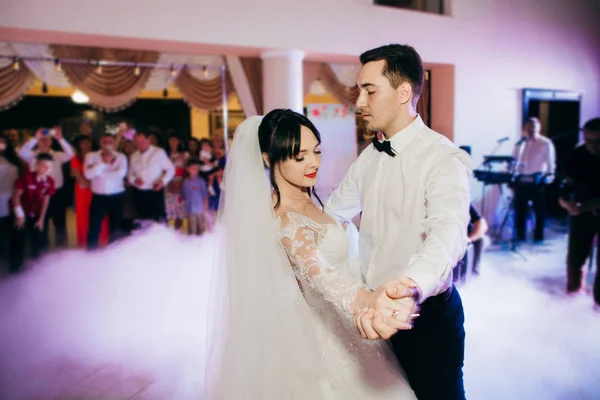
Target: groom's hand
(405,290)
(401,293)
(393,308)
(402,287)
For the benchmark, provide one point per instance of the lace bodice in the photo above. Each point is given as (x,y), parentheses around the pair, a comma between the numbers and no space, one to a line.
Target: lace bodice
(318,253)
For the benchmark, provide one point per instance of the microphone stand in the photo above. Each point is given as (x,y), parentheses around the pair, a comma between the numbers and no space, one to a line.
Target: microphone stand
(498,145)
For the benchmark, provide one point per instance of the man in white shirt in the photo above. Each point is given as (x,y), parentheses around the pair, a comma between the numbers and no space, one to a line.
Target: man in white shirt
(9,172)
(535,157)
(57,210)
(149,172)
(412,187)
(106,170)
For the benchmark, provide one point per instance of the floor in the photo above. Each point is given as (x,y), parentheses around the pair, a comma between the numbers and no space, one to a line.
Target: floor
(526,338)
(79,382)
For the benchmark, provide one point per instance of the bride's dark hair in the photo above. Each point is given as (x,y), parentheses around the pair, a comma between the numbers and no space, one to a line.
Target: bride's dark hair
(279,138)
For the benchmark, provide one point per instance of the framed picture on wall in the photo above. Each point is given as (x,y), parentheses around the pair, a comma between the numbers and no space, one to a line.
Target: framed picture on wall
(234,118)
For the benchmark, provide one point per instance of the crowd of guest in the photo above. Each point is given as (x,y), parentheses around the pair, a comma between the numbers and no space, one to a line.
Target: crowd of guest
(121,179)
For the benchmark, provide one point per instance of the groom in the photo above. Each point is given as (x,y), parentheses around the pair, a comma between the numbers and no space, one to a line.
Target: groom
(412,186)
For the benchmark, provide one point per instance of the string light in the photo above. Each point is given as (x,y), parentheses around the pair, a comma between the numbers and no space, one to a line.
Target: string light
(136,71)
(79,97)
(99,64)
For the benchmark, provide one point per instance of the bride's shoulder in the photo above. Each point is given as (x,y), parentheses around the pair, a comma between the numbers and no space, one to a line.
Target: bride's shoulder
(286,217)
(298,227)
(292,220)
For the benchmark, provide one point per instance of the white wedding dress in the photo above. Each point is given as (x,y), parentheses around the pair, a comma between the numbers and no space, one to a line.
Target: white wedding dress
(321,257)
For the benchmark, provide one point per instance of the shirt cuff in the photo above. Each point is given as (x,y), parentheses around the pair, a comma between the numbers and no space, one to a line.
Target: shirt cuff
(428,282)
(19,213)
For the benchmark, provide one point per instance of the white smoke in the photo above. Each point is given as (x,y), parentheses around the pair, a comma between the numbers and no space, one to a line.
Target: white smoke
(142,305)
(525,343)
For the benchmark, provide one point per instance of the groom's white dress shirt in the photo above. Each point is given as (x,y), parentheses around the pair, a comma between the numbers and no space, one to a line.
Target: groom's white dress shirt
(415,208)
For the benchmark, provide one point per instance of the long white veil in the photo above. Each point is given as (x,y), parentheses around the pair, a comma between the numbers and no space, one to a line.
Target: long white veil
(261,340)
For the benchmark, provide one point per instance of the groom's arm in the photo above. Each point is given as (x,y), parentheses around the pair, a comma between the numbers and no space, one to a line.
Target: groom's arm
(447,200)
(345,199)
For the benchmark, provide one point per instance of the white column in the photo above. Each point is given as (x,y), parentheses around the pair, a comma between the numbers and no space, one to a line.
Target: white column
(282,80)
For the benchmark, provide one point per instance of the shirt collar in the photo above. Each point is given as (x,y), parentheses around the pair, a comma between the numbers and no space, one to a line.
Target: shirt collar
(533,139)
(38,178)
(148,150)
(401,139)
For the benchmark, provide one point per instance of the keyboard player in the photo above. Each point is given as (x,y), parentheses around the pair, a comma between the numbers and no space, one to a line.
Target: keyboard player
(535,157)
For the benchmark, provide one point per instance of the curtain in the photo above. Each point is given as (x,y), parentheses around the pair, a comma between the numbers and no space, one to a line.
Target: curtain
(13,85)
(206,94)
(115,87)
(345,94)
(253,69)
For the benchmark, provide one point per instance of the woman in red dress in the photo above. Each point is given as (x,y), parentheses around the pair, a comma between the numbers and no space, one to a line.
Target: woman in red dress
(83,195)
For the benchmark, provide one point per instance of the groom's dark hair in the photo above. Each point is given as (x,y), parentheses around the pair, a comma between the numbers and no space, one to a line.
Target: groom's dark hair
(402,64)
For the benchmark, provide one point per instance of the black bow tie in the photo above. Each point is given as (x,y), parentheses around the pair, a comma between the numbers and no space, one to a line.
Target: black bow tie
(384,146)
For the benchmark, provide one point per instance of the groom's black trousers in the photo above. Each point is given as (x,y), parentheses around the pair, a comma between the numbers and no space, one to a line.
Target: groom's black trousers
(432,353)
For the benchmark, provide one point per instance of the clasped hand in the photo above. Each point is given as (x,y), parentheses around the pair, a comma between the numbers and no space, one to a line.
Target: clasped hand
(386,310)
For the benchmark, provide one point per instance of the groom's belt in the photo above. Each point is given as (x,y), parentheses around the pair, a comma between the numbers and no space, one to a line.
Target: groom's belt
(440,299)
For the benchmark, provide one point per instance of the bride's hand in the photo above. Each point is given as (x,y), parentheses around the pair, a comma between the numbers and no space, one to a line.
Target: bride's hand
(371,325)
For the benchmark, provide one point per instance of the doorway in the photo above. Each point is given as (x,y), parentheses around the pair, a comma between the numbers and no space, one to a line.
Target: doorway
(558,112)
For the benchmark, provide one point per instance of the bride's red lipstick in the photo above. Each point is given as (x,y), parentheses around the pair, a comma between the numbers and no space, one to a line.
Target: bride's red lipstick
(311,176)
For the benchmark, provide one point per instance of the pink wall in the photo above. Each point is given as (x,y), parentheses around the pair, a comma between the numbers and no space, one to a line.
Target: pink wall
(496,47)
(442,99)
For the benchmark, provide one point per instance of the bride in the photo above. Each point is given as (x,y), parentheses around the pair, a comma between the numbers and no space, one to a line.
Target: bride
(260,310)
(290,280)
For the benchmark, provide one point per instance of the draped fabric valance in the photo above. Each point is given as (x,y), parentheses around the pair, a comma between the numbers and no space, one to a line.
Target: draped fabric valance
(110,87)
(207,94)
(253,69)
(347,95)
(13,85)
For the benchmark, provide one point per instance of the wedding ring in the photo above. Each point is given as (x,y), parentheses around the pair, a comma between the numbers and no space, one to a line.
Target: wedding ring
(394,314)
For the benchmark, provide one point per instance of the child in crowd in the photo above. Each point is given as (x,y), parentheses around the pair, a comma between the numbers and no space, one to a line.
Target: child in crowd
(195,198)
(30,204)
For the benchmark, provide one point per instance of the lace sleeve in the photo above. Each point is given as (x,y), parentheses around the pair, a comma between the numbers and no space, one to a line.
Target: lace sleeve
(336,283)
